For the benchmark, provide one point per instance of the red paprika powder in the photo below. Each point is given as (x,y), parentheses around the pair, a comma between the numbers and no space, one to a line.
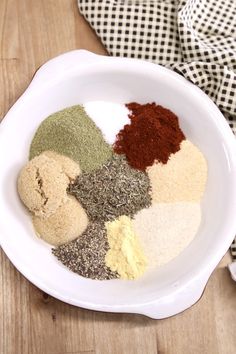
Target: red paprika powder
(152,135)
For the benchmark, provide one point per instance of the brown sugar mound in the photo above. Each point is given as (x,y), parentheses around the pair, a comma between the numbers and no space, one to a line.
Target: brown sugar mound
(153,135)
(67,223)
(42,186)
(69,166)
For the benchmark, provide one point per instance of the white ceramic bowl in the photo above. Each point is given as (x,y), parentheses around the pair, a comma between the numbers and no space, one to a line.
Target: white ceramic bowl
(80,76)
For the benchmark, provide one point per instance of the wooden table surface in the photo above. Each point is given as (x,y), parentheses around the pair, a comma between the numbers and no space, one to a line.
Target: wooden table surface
(31,322)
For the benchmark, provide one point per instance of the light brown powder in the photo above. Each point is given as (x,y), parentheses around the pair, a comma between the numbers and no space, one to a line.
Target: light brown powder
(69,166)
(42,186)
(183,178)
(67,223)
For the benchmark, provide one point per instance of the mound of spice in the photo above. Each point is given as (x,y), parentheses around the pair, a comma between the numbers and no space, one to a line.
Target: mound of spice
(110,117)
(113,190)
(69,166)
(166,229)
(125,255)
(183,178)
(42,186)
(71,132)
(86,255)
(152,135)
(67,223)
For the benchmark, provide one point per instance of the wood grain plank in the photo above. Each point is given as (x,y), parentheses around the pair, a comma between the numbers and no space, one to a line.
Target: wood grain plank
(90,41)
(9,31)
(194,330)
(202,329)
(199,330)
(14,309)
(58,28)
(63,328)
(124,333)
(224,291)
(227,259)
(9,84)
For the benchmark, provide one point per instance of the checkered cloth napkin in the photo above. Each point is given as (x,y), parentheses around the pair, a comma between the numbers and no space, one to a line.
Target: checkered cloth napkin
(196,38)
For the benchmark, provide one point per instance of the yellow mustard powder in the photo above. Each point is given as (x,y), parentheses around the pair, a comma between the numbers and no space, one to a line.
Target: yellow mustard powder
(125,255)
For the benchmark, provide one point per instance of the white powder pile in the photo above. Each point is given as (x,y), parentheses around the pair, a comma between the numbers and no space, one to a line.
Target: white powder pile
(108,116)
(183,178)
(166,229)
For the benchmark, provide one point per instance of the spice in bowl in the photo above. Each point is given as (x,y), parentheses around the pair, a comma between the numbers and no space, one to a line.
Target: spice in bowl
(152,135)
(42,186)
(86,255)
(166,229)
(125,255)
(183,178)
(72,133)
(114,211)
(113,190)
(67,223)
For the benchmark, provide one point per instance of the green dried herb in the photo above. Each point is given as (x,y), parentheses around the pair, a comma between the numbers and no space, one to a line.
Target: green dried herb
(72,133)
(86,255)
(113,190)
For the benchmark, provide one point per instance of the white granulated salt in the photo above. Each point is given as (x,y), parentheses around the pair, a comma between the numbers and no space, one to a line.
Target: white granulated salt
(166,229)
(108,116)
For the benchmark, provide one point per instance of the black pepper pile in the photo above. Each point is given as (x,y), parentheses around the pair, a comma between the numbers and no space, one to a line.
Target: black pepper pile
(86,255)
(113,190)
